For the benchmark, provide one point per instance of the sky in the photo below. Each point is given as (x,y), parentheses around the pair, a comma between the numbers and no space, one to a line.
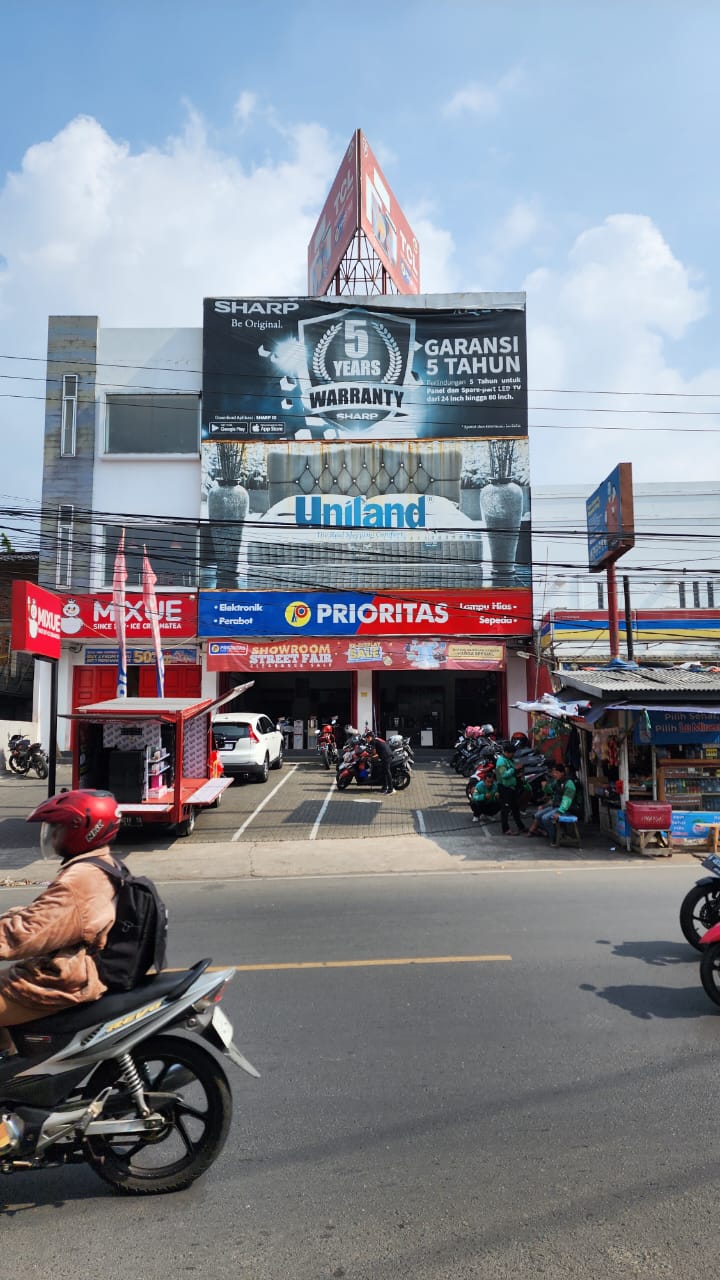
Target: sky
(158,151)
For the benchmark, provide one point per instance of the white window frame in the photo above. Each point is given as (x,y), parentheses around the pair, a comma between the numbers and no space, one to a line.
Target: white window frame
(68,422)
(65,533)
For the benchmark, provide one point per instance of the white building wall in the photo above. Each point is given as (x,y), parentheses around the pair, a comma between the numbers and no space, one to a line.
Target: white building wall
(676,540)
(147,360)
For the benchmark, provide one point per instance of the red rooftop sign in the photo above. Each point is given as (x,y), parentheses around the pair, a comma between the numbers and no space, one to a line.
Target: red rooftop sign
(36,620)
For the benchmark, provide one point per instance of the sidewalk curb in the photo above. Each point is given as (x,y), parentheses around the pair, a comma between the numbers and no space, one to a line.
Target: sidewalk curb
(297,859)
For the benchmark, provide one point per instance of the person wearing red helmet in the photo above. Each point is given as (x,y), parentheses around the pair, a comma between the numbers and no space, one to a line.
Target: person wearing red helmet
(51,942)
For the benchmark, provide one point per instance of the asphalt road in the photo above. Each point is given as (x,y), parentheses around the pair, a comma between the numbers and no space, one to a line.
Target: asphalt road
(545,1115)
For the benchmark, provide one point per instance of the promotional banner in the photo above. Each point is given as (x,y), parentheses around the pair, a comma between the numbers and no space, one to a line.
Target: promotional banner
(385,224)
(140,657)
(610,518)
(337,224)
(36,620)
(303,368)
(92,616)
(280,613)
(382,516)
(431,654)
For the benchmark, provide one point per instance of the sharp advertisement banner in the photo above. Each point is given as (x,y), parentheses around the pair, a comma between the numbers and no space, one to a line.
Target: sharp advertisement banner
(303,368)
(231,614)
(379,516)
(431,654)
(92,617)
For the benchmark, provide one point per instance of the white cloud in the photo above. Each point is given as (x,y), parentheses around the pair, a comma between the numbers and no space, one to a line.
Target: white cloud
(604,323)
(479,98)
(90,227)
(245,106)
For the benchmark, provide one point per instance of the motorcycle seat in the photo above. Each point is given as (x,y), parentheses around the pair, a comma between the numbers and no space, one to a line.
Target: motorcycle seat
(112,1005)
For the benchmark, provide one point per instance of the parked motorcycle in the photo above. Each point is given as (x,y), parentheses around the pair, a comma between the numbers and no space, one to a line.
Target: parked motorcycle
(112,1084)
(24,755)
(700,909)
(396,741)
(327,745)
(358,764)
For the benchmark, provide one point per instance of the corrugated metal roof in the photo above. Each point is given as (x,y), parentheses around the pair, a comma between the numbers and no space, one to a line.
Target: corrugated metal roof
(649,681)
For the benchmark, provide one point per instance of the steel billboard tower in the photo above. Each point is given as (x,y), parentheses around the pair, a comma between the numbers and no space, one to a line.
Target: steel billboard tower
(362,243)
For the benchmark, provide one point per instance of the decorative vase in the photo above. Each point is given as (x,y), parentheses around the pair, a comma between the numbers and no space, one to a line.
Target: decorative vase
(228,505)
(502,503)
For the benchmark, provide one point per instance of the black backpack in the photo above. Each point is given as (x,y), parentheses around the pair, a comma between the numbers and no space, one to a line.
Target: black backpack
(137,941)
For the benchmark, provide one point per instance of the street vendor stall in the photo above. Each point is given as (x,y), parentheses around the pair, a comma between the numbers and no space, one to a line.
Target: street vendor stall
(654,755)
(154,754)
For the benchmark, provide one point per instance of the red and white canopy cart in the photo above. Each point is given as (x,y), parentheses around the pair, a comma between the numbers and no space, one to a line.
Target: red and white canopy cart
(154,754)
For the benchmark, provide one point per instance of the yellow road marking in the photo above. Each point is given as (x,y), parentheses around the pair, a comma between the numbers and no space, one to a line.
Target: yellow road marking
(350,964)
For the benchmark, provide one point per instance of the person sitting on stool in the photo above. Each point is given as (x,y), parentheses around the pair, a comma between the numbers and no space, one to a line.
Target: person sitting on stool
(568,791)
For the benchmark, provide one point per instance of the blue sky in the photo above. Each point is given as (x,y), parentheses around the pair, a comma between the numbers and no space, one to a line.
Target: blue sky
(152,152)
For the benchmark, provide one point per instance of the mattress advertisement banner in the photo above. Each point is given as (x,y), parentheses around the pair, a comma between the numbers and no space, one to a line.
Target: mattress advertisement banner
(431,654)
(305,369)
(378,516)
(231,614)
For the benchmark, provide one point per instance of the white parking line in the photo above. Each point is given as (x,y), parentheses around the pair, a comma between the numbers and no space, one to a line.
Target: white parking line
(421,821)
(262,804)
(321,815)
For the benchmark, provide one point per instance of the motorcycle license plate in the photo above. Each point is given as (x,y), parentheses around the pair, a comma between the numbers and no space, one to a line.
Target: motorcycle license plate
(712,862)
(222,1025)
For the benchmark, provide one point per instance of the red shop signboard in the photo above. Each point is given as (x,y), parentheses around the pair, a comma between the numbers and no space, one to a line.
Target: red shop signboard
(92,616)
(36,620)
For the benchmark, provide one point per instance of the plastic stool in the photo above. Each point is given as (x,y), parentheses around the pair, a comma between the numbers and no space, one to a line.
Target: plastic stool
(566,826)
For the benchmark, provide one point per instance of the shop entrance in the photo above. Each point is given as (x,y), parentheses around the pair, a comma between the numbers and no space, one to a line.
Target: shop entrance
(99,684)
(318,696)
(413,701)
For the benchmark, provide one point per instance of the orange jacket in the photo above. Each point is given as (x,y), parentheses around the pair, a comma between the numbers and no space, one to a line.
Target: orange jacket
(49,939)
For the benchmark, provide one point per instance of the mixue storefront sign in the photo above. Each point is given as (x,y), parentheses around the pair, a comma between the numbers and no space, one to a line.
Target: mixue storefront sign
(276,613)
(93,617)
(303,368)
(36,620)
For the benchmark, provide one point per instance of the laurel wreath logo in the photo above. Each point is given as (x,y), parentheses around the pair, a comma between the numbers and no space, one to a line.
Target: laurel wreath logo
(394,368)
(393,350)
(318,362)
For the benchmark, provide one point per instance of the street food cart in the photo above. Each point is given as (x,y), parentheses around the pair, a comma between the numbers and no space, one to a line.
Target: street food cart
(154,754)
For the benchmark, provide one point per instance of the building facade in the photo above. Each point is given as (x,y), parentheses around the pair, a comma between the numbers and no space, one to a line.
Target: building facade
(334,496)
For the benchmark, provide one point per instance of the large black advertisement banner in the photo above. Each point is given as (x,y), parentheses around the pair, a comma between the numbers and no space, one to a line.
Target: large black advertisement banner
(304,368)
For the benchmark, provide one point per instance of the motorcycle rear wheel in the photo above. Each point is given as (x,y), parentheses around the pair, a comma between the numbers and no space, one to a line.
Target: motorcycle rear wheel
(401,778)
(198,1118)
(699,912)
(710,972)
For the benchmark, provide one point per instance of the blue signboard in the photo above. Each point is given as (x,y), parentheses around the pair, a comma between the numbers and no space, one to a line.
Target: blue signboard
(140,657)
(233,614)
(668,727)
(610,518)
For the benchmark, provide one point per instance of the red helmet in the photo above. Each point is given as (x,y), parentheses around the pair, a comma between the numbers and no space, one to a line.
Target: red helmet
(89,819)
